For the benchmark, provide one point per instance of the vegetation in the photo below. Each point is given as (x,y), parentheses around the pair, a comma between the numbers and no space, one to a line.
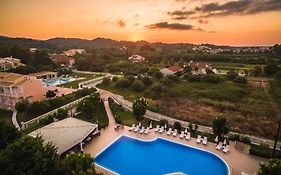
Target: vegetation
(8,134)
(5,116)
(50,94)
(220,127)
(37,108)
(140,106)
(273,167)
(263,151)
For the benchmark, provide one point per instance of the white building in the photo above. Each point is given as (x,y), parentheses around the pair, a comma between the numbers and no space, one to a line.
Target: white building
(9,63)
(72,52)
(136,58)
(171,70)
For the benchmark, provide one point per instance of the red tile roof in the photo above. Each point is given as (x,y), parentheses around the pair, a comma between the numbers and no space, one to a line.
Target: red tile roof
(175,68)
(198,65)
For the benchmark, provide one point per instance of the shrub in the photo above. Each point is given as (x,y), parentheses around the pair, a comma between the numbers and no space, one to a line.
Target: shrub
(50,94)
(157,75)
(211,78)
(177,126)
(231,75)
(130,78)
(273,167)
(163,122)
(21,106)
(173,78)
(263,150)
(146,81)
(106,80)
(240,80)
(115,78)
(138,86)
(157,88)
(122,83)
(194,78)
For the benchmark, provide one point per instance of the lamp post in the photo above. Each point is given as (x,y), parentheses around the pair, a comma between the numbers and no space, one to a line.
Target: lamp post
(277,136)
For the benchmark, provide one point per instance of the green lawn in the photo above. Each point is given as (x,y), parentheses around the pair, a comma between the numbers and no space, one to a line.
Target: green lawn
(6,116)
(99,116)
(74,84)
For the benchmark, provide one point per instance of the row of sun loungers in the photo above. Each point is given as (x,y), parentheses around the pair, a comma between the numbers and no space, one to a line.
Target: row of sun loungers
(204,140)
(139,129)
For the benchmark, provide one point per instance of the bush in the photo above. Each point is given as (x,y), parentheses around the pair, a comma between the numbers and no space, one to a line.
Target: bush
(211,78)
(163,122)
(157,75)
(115,78)
(138,86)
(231,75)
(263,151)
(157,88)
(194,78)
(21,106)
(130,78)
(146,81)
(240,80)
(177,126)
(106,80)
(122,83)
(173,78)
(50,94)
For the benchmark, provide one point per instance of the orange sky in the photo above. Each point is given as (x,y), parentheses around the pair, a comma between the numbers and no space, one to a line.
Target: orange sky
(129,20)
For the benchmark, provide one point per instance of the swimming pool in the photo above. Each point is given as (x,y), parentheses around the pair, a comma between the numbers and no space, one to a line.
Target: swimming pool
(58,81)
(130,156)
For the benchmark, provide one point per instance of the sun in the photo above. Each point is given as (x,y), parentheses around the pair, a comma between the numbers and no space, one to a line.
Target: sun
(136,37)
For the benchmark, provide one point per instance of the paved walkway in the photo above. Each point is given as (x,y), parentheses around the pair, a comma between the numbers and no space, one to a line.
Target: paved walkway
(14,120)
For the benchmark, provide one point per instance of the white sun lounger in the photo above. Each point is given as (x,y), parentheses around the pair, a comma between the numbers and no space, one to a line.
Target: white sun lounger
(136,129)
(198,140)
(219,146)
(157,128)
(146,130)
(142,130)
(187,137)
(132,128)
(182,135)
(169,131)
(205,140)
(175,132)
(226,149)
(161,130)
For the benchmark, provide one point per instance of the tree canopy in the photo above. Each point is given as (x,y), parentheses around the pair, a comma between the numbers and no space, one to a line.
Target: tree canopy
(220,127)
(8,134)
(140,106)
(273,167)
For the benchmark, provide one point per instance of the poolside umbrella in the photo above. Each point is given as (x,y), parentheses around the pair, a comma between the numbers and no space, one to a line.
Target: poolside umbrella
(150,126)
(216,139)
(139,124)
(224,142)
(165,125)
(185,130)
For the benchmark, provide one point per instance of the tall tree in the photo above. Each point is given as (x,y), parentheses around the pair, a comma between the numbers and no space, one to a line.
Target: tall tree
(220,127)
(8,134)
(29,156)
(140,106)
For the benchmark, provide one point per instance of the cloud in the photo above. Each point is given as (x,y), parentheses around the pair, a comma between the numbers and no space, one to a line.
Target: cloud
(121,23)
(203,21)
(172,26)
(234,7)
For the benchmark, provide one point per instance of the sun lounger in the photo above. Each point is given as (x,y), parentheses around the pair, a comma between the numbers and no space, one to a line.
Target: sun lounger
(161,130)
(175,132)
(136,129)
(132,128)
(182,135)
(142,130)
(199,139)
(146,130)
(219,146)
(226,149)
(205,140)
(169,131)
(187,137)
(157,128)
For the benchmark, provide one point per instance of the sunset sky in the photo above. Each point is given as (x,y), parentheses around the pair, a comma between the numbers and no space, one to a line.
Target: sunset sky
(232,22)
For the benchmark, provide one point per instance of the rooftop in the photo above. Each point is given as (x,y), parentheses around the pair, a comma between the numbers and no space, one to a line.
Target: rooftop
(65,133)
(175,68)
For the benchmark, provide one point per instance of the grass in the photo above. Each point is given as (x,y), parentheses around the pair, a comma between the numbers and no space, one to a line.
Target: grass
(6,116)
(74,84)
(99,116)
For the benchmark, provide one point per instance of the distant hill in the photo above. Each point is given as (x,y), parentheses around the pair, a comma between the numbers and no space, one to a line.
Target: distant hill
(25,42)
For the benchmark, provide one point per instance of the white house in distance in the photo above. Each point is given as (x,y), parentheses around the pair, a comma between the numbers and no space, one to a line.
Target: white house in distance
(200,68)
(136,58)
(9,63)
(171,70)
(72,52)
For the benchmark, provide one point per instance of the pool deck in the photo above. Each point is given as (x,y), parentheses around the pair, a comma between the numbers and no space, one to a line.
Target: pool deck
(237,161)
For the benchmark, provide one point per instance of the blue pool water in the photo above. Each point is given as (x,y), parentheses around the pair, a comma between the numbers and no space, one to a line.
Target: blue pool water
(129,156)
(57,81)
